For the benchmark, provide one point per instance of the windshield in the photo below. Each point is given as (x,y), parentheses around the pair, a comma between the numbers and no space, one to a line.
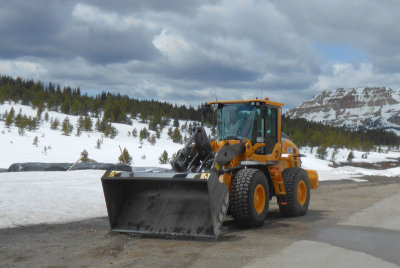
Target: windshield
(235,121)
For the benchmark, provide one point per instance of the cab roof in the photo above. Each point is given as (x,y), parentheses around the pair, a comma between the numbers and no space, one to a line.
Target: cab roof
(266,101)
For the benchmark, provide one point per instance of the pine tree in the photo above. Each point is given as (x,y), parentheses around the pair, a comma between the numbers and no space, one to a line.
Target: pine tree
(322,152)
(66,106)
(144,134)
(164,121)
(33,123)
(22,123)
(125,157)
(21,130)
(5,114)
(10,117)
(54,124)
(84,156)
(176,122)
(350,157)
(78,132)
(142,118)
(17,119)
(101,125)
(153,122)
(152,139)
(76,107)
(134,132)
(98,144)
(88,124)
(176,136)
(40,111)
(36,141)
(81,123)
(170,132)
(110,131)
(163,159)
(66,127)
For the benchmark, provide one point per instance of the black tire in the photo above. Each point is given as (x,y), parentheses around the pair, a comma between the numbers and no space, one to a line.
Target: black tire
(242,204)
(292,178)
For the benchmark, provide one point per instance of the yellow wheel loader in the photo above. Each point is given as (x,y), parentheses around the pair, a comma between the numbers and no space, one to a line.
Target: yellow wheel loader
(249,162)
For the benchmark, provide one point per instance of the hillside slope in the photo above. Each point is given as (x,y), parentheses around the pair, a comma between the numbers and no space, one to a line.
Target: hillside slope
(61,148)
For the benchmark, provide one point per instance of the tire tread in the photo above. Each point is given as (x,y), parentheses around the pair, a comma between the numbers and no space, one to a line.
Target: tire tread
(289,178)
(239,198)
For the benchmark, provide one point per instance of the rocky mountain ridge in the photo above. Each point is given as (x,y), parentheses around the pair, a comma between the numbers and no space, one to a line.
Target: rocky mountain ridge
(353,108)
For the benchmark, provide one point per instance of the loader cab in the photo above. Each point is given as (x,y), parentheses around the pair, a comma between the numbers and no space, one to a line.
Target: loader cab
(254,120)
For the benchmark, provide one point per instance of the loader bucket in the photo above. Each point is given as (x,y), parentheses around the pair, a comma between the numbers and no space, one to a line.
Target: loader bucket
(166,204)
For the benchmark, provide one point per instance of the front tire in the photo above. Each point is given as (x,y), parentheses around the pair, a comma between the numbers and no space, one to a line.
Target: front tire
(297,188)
(249,197)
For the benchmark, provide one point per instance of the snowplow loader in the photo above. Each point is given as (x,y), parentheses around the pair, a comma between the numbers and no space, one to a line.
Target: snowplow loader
(249,162)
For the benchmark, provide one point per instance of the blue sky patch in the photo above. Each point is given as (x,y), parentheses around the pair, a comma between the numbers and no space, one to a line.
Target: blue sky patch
(340,53)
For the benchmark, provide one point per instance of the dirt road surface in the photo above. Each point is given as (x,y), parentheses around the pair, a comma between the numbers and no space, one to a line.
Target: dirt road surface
(349,224)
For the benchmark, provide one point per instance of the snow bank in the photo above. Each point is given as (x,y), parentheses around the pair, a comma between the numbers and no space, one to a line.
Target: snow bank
(50,197)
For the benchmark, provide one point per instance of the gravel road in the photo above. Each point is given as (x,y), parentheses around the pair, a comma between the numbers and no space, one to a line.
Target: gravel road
(349,224)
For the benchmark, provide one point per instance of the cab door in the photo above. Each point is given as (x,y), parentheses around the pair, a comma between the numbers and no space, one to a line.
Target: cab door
(271,128)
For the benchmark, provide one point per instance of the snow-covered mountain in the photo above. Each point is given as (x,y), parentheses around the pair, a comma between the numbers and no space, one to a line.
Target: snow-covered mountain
(354,108)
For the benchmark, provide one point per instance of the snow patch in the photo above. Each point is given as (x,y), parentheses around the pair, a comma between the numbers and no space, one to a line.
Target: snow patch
(28,198)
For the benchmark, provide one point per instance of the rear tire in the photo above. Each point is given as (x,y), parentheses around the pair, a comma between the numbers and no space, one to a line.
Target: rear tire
(297,188)
(249,197)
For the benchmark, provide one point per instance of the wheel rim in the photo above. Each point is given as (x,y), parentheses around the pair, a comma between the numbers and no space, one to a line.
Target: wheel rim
(259,199)
(301,193)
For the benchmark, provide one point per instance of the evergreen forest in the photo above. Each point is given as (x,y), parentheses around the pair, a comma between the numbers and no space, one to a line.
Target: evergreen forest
(117,108)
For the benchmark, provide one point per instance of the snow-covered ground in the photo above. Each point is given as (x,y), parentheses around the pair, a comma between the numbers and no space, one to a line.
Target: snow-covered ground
(55,197)
(16,148)
(50,197)
(326,172)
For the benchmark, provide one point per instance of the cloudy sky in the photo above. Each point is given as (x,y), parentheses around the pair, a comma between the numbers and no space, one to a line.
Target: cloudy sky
(193,50)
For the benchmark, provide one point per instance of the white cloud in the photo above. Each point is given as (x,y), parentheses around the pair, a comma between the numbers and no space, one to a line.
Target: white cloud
(348,75)
(22,68)
(170,45)
(98,18)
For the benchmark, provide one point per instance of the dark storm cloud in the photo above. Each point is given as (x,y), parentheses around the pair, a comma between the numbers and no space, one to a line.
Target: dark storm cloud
(28,28)
(184,51)
(187,7)
(48,29)
(107,46)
